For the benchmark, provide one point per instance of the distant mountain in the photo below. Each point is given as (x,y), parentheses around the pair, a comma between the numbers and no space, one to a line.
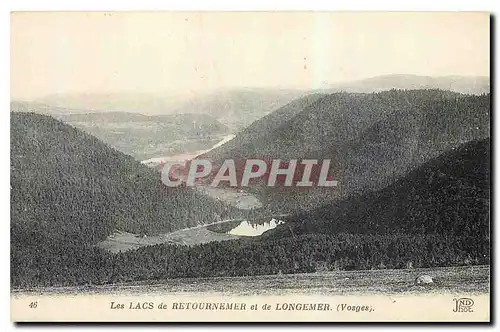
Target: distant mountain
(185,125)
(447,196)
(141,136)
(40,108)
(98,118)
(235,108)
(110,102)
(239,108)
(371,139)
(461,84)
(144,137)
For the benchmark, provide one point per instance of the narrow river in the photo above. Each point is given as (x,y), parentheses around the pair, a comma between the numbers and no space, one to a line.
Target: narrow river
(186,155)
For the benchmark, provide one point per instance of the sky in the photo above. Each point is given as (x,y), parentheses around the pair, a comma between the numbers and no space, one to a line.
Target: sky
(191,52)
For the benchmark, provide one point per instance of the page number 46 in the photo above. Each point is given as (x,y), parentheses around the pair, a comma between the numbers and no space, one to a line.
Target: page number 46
(33,305)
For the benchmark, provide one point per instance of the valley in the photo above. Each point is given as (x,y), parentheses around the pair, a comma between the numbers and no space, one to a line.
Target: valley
(413,177)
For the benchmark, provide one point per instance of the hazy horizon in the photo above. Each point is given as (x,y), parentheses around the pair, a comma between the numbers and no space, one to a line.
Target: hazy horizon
(181,96)
(187,53)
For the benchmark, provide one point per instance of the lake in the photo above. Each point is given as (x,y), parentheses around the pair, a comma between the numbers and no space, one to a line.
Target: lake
(249,228)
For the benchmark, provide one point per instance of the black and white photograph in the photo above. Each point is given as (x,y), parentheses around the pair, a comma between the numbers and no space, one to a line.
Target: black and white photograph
(172,166)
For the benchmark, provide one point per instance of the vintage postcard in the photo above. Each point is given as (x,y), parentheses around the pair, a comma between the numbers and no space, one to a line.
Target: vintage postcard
(250,167)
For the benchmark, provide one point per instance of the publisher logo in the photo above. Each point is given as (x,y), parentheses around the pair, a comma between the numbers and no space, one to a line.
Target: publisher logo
(463,304)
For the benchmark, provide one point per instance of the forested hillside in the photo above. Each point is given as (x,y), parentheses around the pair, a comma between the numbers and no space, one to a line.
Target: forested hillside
(438,215)
(447,196)
(371,139)
(415,179)
(259,130)
(62,176)
(304,253)
(69,190)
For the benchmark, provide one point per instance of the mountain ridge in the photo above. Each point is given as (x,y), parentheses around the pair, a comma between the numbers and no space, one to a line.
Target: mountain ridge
(371,139)
(448,195)
(92,188)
